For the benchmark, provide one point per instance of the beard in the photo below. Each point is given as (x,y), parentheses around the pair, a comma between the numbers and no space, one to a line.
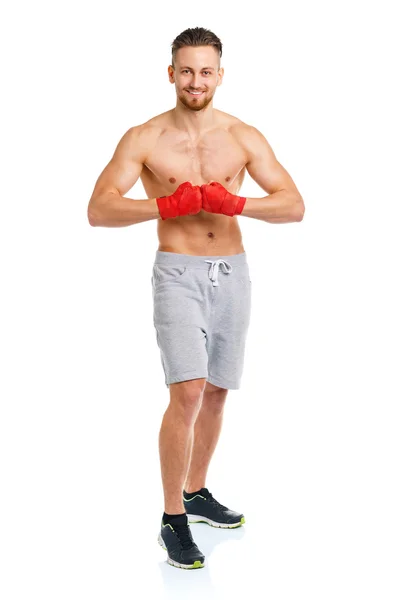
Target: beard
(193,103)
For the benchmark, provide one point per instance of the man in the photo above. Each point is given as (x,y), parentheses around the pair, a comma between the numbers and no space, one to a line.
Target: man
(192,161)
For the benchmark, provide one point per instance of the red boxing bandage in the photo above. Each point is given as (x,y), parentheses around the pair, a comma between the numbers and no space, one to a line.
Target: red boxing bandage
(217,199)
(186,200)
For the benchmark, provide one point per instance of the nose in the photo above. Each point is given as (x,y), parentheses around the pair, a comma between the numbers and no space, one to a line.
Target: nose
(196,83)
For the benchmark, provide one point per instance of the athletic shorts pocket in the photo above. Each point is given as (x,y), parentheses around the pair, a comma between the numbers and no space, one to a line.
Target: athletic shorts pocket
(167,273)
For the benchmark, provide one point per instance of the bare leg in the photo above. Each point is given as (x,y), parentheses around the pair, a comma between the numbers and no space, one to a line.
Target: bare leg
(176,439)
(207,429)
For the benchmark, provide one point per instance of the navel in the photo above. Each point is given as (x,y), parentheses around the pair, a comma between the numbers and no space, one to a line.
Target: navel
(227,178)
(172,180)
(210,234)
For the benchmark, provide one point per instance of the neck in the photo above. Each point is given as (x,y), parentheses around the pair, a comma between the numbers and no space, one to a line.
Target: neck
(195,122)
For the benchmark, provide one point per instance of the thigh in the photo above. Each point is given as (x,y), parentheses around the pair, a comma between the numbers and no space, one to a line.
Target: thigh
(180,323)
(183,352)
(229,327)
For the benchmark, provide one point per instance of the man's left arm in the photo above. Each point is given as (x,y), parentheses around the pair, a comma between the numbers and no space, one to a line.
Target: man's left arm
(284,203)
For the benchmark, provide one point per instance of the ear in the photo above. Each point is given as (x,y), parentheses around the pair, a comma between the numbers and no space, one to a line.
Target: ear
(220,75)
(171,74)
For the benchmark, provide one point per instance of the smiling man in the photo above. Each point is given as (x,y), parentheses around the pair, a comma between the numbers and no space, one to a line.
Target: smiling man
(192,160)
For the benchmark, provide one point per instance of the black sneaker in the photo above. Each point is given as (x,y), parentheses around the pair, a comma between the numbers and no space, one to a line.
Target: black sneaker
(177,540)
(203,507)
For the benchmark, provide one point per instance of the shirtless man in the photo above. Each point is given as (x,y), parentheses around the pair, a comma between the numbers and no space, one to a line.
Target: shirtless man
(192,161)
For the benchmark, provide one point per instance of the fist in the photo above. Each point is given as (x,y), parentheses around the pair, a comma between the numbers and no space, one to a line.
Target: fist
(186,200)
(217,199)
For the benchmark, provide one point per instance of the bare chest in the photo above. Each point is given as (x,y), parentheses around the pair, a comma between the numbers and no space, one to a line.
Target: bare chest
(217,157)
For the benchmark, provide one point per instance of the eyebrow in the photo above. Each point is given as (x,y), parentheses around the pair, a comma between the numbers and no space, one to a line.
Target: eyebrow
(211,68)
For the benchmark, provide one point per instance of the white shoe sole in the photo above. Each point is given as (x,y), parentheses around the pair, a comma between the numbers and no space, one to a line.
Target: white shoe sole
(200,519)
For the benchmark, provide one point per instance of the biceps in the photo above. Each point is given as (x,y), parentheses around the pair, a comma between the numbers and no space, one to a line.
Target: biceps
(120,175)
(123,170)
(270,175)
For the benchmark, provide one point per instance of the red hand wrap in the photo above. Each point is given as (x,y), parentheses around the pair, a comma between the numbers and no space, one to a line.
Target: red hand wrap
(217,199)
(186,200)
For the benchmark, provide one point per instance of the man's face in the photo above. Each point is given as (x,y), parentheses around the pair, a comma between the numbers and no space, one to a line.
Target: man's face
(196,70)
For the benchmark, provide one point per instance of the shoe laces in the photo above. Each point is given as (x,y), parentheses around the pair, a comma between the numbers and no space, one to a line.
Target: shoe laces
(211,499)
(184,534)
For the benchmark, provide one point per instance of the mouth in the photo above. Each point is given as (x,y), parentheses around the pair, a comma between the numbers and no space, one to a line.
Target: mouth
(194,94)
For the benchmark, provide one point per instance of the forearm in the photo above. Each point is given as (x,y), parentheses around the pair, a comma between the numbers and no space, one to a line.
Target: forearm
(279,207)
(113,210)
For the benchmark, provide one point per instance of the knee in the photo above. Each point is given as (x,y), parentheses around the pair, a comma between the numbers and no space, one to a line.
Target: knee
(214,398)
(186,396)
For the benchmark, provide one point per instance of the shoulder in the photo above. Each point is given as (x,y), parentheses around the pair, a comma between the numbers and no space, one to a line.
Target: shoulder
(227,121)
(244,133)
(147,131)
(239,129)
(144,136)
(251,139)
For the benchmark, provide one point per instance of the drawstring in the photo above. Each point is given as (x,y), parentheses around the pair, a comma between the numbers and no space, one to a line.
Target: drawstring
(214,269)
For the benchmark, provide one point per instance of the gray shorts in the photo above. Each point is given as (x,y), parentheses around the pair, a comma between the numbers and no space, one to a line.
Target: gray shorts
(201,316)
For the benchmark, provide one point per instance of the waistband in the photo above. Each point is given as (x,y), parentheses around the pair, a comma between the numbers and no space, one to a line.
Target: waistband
(212,263)
(190,260)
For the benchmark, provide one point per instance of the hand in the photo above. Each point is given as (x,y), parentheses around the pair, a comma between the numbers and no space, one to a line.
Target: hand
(217,199)
(186,200)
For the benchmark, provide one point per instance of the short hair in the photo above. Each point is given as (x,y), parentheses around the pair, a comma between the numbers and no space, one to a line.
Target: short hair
(196,36)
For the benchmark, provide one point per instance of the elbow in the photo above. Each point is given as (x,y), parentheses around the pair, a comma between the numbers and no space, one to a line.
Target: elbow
(92,220)
(92,215)
(299,209)
(96,211)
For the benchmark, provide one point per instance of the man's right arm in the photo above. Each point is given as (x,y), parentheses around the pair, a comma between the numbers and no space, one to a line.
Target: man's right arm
(107,206)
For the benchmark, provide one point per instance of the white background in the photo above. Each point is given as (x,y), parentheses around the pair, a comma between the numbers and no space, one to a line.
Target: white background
(310,443)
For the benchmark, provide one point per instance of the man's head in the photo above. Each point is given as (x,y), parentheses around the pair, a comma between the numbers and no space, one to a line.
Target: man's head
(196,66)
